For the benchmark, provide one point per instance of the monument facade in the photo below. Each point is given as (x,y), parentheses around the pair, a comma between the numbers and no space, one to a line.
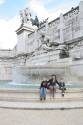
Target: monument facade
(55,47)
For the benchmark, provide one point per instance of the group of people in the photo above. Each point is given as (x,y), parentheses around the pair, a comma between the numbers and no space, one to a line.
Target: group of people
(51,86)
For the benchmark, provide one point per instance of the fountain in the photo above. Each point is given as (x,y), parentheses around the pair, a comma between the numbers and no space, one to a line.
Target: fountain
(41,51)
(35,73)
(43,57)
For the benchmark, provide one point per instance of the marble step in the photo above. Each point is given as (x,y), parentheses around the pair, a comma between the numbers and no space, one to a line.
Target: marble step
(32,90)
(32,95)
(35,97)
(36,100)
(42,105)
(30,99)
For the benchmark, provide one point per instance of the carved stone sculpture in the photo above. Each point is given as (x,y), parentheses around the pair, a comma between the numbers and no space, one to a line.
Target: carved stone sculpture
(28,14)
(64,53)
(25,16)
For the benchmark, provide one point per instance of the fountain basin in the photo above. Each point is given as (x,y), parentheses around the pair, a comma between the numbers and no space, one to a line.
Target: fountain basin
(13,85)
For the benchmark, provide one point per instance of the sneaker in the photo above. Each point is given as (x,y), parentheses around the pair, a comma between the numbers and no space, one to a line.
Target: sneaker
(44,98)
(63,94)
(40,99)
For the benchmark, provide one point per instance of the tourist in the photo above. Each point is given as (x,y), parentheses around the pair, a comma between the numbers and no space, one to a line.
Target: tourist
(62,86)
(52,85)
(43,87)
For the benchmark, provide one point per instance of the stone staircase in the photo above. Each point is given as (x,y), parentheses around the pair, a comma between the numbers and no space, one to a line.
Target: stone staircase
(30,99)
(32,95)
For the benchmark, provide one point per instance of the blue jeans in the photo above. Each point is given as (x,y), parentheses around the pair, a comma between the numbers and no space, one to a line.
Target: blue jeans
(43,92)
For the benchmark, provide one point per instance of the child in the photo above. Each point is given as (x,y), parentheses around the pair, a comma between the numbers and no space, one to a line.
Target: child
(43,90)
(62,87)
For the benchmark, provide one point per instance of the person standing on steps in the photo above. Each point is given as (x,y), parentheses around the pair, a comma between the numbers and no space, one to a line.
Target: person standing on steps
(62,87)
(52,85)
(43,87)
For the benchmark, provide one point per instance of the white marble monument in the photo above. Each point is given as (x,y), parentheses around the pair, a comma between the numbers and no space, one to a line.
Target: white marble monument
(53,47)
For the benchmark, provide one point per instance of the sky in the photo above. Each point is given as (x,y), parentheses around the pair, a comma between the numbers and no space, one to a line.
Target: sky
(10,19)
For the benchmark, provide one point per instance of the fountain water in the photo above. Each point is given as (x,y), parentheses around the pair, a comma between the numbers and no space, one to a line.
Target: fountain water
(44,51)
(34,73)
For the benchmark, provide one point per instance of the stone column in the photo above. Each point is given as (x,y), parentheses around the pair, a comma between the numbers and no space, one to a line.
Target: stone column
(35,43)
(81,17)
(61,28)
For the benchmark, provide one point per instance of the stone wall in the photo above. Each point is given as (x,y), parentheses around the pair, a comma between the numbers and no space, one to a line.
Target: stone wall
(64,28)
(6,64)
(71,28)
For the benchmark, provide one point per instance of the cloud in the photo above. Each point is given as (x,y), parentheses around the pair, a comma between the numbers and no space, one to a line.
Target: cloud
(39,8)
(8,37)
(2,1)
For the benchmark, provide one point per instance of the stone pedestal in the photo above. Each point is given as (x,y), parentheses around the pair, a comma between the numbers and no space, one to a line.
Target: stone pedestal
(22,37)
